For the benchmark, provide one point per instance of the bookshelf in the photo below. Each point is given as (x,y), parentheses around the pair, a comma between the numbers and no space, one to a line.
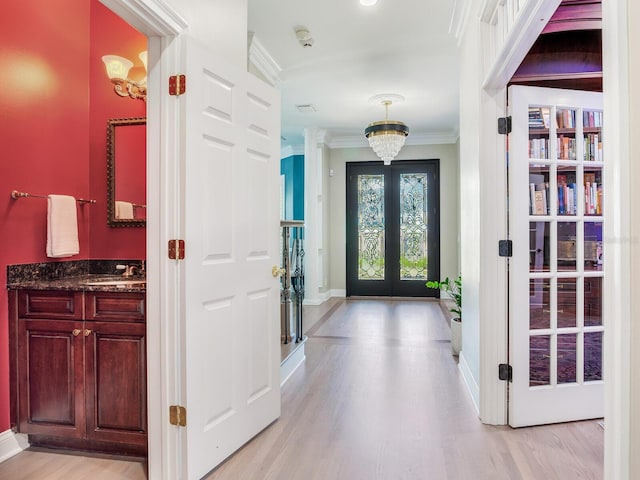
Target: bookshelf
(556,195)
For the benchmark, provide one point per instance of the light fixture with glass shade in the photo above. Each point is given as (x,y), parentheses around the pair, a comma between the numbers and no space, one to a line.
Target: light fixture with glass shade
(386,137)
(127,81)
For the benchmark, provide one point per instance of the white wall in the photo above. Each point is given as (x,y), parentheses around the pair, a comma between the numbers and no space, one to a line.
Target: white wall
(621,68)
(449,234)
(470,115)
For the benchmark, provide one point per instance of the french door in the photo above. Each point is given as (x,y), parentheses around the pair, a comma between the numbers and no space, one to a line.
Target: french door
(556,274)
(393,228)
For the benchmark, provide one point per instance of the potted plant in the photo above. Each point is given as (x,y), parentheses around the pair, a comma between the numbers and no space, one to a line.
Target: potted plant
(453,287)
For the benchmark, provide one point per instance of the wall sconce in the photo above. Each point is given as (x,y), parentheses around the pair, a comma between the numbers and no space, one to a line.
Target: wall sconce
(127,81)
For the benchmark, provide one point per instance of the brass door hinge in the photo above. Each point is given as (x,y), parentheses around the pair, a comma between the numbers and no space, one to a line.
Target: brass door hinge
(177,84)
(176,249)
(177,416)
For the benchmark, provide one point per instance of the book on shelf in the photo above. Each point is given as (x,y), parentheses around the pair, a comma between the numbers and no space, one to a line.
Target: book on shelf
(566,118)
(540,202)
(535,117)
(538,195)
(591,119)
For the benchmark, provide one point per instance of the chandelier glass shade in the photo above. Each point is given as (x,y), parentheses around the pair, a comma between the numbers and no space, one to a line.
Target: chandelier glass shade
(386,137)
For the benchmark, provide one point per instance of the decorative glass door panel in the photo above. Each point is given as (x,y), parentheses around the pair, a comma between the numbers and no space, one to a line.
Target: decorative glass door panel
(371,227)
(556,173)
(392,228)
(413,226)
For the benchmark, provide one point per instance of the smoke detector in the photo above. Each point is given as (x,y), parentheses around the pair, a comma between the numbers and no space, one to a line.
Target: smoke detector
(304,37)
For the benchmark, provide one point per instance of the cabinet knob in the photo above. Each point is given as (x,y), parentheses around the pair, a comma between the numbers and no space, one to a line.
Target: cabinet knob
(87,332)
(76,332)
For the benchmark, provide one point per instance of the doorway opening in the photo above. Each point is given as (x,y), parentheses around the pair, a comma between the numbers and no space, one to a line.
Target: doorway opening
(393,228)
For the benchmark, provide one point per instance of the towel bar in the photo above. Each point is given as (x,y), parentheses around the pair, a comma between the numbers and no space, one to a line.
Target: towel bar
(16,194)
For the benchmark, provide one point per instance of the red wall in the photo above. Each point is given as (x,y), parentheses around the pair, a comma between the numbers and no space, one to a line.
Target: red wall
(54,103)
(110,35)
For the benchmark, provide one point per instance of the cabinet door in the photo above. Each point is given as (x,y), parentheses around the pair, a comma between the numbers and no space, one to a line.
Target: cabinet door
(51,377)
(116,378)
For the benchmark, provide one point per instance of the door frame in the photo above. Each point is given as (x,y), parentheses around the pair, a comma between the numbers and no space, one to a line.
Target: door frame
(163,26)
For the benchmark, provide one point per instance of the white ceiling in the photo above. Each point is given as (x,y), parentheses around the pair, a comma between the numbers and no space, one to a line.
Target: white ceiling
(402,47)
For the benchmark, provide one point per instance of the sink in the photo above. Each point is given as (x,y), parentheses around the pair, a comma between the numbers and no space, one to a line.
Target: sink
(117,283)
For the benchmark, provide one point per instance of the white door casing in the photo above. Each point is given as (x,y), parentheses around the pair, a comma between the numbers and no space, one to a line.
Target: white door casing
(536,286)
(231,355)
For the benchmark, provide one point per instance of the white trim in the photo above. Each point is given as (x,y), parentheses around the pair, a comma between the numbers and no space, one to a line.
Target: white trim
(469,381)
(459,18)
(620,233)
(528,25)
(162,25)
(11,444)
(338,292)
(291,364)
(291,150)
(313,301)
(151,17)
(488,10)
(260,58)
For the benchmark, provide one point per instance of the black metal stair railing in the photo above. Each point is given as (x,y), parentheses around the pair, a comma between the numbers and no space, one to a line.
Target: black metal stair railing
(291,281)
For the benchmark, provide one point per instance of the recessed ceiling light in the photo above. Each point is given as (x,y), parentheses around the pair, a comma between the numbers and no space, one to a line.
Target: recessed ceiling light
(368,3)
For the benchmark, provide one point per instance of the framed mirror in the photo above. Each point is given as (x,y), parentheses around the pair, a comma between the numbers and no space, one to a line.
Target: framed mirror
(126,172)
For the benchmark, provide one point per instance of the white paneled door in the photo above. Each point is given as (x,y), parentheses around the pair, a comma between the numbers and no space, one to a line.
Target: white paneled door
(556,274)
(231,221)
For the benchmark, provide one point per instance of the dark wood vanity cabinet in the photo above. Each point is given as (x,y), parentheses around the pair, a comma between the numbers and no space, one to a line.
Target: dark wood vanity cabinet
(79,369)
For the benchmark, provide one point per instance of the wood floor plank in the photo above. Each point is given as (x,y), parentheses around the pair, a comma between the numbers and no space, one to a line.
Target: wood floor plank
(379,397)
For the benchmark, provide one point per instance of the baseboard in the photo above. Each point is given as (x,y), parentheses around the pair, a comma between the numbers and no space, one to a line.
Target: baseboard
(341,293)
(313,301)
(11,444)
(291,363)
(470,382)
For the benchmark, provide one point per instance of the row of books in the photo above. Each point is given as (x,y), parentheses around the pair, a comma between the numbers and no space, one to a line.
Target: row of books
(567,199)
(592,194)
(593,147)
(591,119)
(539,148)
(566,148)
(565,118)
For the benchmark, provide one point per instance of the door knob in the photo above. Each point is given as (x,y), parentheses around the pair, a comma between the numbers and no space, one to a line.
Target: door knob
(76,332)
(87,332)
(276,272)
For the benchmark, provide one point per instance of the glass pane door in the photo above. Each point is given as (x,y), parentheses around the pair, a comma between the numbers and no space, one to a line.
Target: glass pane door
(556,171)
(392,228)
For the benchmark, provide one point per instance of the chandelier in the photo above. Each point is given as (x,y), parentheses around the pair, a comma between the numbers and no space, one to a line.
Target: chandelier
(127,81)
(386,137)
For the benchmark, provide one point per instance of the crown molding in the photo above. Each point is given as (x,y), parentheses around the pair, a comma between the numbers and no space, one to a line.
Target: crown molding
(291,150)
(459,19)
(262,60)
(160,17)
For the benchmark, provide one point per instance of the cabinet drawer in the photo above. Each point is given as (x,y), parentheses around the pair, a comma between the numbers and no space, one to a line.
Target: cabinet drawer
(51,304)
(117,307)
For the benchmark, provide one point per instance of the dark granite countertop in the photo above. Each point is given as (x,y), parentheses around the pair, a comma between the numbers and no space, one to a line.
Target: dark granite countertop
(86,283)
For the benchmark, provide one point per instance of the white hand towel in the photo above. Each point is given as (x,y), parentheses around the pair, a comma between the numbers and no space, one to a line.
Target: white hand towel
(62,226)
(124,210)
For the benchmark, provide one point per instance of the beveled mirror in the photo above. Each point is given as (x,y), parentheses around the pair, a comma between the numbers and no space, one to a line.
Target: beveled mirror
(126,172)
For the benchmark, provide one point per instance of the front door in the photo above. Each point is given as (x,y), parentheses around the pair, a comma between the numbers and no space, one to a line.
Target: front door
(231,349)
(392,228)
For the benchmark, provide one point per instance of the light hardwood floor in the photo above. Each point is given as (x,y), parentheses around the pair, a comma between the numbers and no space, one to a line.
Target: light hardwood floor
(379,397)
